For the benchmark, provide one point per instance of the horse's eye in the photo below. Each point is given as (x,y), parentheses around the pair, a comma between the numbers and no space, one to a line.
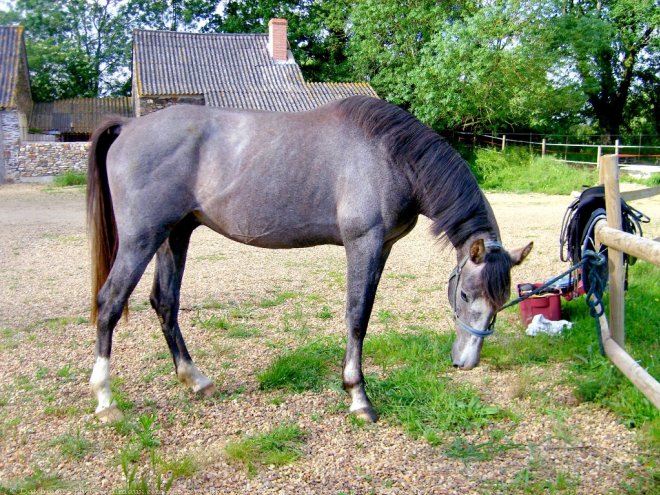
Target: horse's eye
(464,296)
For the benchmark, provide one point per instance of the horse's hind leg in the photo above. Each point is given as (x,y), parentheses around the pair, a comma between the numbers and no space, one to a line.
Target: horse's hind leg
(129,265)
(170,264)
(366,259)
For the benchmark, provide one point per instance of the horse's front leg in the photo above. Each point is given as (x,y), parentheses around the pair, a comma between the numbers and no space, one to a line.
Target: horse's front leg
(366,258)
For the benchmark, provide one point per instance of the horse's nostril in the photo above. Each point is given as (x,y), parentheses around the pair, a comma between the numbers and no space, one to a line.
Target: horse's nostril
(455,365)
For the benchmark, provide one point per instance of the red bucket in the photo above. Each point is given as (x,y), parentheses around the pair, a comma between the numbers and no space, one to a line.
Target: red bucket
(548,305)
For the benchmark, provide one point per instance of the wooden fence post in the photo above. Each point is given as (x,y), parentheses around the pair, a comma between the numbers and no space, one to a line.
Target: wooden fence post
(610,171)
(599,165)
(503,142)
(543,148)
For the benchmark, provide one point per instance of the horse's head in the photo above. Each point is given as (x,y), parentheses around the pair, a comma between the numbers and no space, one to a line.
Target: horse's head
(478,287)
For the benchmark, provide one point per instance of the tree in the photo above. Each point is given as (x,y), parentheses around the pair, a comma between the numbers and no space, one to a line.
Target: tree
(74,48)
(171,15)
(318,31)
(613,46)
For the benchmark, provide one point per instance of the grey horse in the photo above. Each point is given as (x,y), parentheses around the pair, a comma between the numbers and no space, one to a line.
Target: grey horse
(356,172)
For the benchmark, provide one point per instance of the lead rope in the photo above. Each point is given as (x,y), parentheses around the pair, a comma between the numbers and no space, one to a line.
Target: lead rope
(594,296)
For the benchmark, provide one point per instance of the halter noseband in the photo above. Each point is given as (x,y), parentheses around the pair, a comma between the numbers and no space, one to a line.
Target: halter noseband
(456,273)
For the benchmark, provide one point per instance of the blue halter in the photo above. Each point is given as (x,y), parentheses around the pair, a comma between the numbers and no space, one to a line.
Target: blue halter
(456,273)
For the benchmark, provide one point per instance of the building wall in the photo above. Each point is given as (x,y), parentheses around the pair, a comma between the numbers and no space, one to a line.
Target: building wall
(44,159)
(11,137)
(148,104)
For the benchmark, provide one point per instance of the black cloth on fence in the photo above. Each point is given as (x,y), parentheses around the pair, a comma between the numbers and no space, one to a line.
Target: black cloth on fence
(577,230)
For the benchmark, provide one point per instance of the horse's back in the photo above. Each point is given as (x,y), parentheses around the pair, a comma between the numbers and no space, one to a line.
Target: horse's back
(264,178)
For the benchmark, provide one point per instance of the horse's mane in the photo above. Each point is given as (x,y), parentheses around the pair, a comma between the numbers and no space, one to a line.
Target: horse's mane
(444,186)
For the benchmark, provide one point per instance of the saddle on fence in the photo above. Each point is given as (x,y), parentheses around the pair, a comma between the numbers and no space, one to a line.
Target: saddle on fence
(577,230)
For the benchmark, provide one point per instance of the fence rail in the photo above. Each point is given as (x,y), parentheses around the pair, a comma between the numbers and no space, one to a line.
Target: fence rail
(609,232)
(583,154)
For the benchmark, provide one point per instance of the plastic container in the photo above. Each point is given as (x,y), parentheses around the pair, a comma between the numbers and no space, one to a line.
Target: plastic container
(548,305)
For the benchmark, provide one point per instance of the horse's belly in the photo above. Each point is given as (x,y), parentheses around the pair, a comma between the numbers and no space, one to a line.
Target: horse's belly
(274,231)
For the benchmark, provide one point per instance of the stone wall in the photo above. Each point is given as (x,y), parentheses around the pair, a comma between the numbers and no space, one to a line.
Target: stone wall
(44,159)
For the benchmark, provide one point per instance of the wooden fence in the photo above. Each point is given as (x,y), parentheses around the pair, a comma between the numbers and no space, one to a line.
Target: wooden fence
(609,233)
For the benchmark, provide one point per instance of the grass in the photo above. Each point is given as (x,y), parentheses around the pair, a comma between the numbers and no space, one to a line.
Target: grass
(517,170)
(70,179)
(72,446)
(140,456)
(278,447)
(593,376)
(38,482)
(307,368)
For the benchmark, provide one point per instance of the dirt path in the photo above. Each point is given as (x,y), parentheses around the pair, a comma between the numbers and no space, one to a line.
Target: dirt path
(46,354)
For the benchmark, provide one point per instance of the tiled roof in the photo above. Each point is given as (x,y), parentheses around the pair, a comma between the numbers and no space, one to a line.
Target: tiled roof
(230,70)
(10,53)
(78,115)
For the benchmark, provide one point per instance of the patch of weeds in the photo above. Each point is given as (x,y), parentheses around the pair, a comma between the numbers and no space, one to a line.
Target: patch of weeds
(401,276)
(385,316)
(65,372)
(24,383)
(146,431)
(338,279)
(279,447)
(8,426)
(324,313)
(140,306)
(70,178)
(419,401)
(295,322)
(123,426)
(72,446)
(36,482)
(242,332)
(157,477)
(213,322)
(61,411)
(123,403)
(424,348)
(305,368)
(460,448)
(162,370)
(41,373)
(277,299)
(63,321)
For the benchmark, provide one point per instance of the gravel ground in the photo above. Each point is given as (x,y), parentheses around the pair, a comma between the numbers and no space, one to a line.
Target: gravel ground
(46,351)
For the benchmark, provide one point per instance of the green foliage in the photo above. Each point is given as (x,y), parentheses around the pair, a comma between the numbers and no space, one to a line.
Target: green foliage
(35,483)
(280,446)
(73,446)
(70,179)
(158,475)
(460,448)
(424,405)
(517,170)
(306,368)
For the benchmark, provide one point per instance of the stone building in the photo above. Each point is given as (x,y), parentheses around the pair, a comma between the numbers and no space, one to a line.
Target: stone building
(15,97)
(248,71)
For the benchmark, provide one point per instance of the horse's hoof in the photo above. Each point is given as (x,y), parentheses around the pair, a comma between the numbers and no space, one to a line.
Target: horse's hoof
(109,414)
(206,390)
(366,414)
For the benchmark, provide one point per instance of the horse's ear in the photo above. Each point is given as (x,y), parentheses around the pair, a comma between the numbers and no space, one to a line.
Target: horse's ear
(478,251)
(518,255)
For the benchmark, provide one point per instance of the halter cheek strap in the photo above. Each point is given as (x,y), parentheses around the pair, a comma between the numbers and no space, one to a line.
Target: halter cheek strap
(456,273)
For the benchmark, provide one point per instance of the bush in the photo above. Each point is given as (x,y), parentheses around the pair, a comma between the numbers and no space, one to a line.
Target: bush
(70,179)
(518,170)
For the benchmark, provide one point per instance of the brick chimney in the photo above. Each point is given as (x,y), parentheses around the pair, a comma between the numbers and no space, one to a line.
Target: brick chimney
(277,39)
